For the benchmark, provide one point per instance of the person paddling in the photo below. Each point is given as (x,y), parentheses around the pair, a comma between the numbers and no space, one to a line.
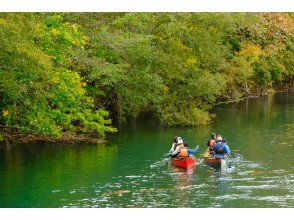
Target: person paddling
(174,145)
(220,148)
(182,150)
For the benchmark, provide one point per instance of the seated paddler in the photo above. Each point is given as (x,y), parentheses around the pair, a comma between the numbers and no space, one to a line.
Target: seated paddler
(182,150)
(220,148)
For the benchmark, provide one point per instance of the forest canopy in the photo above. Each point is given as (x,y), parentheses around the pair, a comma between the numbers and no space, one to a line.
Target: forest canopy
(76,73)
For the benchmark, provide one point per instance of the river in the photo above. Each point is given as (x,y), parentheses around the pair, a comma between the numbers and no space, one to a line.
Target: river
(131,169)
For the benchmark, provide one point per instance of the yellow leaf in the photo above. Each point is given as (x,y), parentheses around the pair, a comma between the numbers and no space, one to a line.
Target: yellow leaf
(191,61)
(165,88)
(54,32)
(5,113)
(250,50)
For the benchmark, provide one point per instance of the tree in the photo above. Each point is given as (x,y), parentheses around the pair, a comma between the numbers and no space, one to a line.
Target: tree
(39,92)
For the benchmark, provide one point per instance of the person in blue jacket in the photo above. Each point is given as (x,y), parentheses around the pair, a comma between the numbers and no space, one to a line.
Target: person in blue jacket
(220,148)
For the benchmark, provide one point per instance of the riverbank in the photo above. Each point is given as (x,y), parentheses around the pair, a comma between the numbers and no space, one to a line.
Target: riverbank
(288,88)
(13,136)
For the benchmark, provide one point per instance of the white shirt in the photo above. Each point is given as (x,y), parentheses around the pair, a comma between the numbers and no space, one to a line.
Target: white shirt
(177,150)
(174,151)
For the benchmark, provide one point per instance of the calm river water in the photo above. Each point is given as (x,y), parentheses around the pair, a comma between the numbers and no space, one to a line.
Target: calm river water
(131,170)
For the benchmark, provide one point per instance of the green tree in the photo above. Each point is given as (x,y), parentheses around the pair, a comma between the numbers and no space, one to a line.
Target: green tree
(39,92)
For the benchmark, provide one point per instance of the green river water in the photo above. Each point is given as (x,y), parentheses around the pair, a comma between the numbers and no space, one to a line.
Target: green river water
(131,169)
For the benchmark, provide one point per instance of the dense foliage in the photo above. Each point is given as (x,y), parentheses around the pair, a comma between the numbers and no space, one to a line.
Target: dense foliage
(64,72)
(40,92)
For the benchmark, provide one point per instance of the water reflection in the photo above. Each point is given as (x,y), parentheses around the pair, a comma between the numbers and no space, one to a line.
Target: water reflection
(184,177)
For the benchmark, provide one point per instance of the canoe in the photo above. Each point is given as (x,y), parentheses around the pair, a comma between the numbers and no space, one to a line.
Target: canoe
(210,160)
(183,162)
(217,162)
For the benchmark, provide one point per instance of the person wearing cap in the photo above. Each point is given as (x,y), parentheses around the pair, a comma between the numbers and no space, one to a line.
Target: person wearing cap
(174,145)
(220,148)
(182,149)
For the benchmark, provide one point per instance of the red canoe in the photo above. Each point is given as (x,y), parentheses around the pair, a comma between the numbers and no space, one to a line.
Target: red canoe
(183,162)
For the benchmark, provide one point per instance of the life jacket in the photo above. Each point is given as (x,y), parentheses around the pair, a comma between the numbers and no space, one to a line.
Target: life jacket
(211,143)
(183,151)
